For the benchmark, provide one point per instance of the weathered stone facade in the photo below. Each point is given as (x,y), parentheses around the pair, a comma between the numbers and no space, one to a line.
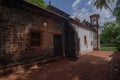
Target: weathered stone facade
(16,24)
(22,23)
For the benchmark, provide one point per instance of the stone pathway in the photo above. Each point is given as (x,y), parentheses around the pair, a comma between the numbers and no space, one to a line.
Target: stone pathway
(96,65)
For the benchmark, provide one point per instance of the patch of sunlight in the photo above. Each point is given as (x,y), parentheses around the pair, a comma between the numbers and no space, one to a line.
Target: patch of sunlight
(35,67)
(75,78)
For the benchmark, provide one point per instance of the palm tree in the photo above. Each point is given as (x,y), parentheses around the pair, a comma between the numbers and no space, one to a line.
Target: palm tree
(117,11)
(103,3)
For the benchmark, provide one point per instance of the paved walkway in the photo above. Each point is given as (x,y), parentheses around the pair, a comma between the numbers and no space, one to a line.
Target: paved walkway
(95,65)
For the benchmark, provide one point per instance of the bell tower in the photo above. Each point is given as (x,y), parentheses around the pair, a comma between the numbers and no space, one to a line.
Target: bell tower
(94,21)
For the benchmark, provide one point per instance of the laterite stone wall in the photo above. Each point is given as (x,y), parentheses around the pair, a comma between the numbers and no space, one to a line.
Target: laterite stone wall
(15,28)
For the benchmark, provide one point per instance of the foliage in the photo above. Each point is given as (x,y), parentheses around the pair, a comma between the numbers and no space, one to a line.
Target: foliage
(40,3)
(103,3)
(110,30)
(99,4)
(118,42)
(118,39)
(107,29)
(111,48)
(110,33)
(117,11)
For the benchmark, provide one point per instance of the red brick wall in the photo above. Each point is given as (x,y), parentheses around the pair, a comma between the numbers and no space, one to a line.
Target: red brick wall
(15,28)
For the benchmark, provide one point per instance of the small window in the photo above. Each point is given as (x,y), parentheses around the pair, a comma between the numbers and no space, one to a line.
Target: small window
(94,21)
(91,43)
(85,41)
(35,39)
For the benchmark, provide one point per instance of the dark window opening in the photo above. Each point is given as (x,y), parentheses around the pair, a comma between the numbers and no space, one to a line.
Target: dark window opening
(35,39)
(91,43)
(85,40)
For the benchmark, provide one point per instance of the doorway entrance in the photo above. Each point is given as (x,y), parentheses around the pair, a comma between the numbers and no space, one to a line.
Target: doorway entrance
(58,45)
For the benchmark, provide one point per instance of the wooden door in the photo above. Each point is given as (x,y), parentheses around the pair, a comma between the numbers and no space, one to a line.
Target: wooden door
(58,45)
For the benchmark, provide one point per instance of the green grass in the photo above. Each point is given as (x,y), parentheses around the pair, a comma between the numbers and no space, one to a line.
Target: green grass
(110,48)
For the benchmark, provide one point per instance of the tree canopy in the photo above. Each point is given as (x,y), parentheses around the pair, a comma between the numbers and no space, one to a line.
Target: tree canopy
(117,11)
(40,3)
(110,32)
(103,3)
(99,4)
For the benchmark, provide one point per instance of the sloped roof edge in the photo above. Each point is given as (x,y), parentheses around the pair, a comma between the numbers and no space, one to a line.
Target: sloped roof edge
(45,9)
(81,24)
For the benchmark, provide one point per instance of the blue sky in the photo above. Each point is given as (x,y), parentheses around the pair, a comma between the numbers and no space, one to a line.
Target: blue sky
(64,5)
(82,9)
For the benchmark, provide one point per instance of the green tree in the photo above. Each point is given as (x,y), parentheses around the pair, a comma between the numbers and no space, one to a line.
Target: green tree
(103,3)
(109,32)
(118,39)
(40,3)
(118,42)
(99,4)
(117,11)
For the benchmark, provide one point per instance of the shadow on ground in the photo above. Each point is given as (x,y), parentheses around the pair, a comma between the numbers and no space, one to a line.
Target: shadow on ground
(115,66)
(97,65)
(88,67)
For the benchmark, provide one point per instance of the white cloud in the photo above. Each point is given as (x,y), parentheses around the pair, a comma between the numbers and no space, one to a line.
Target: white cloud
(89,2)
(75,4)
(85,12)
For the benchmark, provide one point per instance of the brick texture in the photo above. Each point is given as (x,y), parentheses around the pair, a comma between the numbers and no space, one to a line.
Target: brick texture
(15,28)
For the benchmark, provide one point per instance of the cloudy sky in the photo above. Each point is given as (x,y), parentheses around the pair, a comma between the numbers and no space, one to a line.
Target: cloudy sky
(82,9)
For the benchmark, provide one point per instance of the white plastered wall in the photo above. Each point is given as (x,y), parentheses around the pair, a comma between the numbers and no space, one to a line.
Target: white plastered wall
(89,37)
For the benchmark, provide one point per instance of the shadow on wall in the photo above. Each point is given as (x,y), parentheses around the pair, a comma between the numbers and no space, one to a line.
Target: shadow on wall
(32,55)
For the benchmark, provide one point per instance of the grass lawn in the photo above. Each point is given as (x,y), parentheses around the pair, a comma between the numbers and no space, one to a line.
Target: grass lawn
(106,47)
